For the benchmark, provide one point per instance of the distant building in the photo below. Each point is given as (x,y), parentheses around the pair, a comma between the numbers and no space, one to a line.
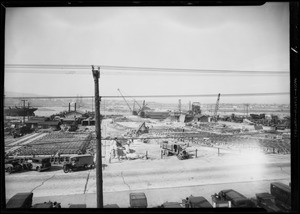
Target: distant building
(42,122)
(203,118)
(88,122)
(73,114)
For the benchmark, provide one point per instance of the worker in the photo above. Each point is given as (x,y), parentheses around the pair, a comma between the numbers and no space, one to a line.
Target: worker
(187,202)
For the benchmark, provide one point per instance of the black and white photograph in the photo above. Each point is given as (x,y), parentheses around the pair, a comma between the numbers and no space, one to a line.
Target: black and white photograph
(148,107)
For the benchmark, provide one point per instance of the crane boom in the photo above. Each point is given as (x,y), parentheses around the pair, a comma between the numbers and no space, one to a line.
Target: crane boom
(216,108)
(125,100)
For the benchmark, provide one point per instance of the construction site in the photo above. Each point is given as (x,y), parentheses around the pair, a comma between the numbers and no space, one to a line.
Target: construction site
(178,106)
(140,137)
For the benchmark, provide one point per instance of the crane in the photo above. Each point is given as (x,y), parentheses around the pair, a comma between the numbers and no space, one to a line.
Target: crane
(125,100)
(216,108)
(139,106)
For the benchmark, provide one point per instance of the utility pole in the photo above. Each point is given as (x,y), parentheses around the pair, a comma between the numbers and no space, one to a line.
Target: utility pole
(179,106)
(99,182)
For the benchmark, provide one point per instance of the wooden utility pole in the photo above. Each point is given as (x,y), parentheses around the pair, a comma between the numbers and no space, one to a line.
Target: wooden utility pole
(99,181)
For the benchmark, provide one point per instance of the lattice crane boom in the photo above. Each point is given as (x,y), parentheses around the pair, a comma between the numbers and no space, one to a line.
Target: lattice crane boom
(125,100)
(216,108)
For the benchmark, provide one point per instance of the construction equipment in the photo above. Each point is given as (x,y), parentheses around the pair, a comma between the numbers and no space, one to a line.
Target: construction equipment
(216,109)
(134,112)
(126,101)
(174,149)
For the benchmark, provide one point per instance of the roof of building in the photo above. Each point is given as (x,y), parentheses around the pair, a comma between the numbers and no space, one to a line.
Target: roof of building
(72,112)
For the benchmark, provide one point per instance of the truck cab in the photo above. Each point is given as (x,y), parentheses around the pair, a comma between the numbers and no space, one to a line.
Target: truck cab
(196,202)
(41,163)
(77,162)
(20,200)
(267,202)
(236,199)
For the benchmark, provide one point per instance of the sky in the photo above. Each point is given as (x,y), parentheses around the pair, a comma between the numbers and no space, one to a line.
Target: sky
(254,38)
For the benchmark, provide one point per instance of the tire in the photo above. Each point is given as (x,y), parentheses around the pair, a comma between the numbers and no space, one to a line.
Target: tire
(92,166)
(38,168)
(9,170)
(66,169)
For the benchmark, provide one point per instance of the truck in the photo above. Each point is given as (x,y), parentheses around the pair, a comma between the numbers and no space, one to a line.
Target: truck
(171,205)
(40,163)
(138,200)
(267,202)
(282,194)
(20,200)
(77,162)
(170,148)
(233,198)
(196,202)
(12,165)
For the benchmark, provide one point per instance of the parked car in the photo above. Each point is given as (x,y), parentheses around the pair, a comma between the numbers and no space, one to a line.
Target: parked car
(77,162)
(282,194)
(20,200)
(111,206)
(47,205)
(236,198)
(24,163)
(12,165)
(138,200)
(171,205)
(41,163)
(75,206)
(267,202)
(196,202)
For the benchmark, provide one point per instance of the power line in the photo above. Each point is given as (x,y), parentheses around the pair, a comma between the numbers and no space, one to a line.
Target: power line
(140,69)
(151,96)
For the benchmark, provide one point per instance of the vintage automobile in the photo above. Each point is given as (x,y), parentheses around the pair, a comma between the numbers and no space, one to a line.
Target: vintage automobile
(282,194)
(236,199)
(26,165)
(41,163)
(171,205)
(20,200)
(111,206)
(196,202)
(12,165)
(138,200)
(47,205)
(267,202)
(77,162)
(76,206)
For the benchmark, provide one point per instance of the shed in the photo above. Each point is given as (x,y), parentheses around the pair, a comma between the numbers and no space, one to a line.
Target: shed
(203,118)
(88,122)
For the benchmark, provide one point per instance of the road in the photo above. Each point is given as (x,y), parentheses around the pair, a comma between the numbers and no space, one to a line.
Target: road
(157,178)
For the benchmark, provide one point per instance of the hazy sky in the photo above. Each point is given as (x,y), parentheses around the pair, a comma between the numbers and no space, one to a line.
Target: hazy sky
(227,38)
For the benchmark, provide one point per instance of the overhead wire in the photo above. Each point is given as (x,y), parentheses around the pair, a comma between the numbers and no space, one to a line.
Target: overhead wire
(140,69)
(148,96)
